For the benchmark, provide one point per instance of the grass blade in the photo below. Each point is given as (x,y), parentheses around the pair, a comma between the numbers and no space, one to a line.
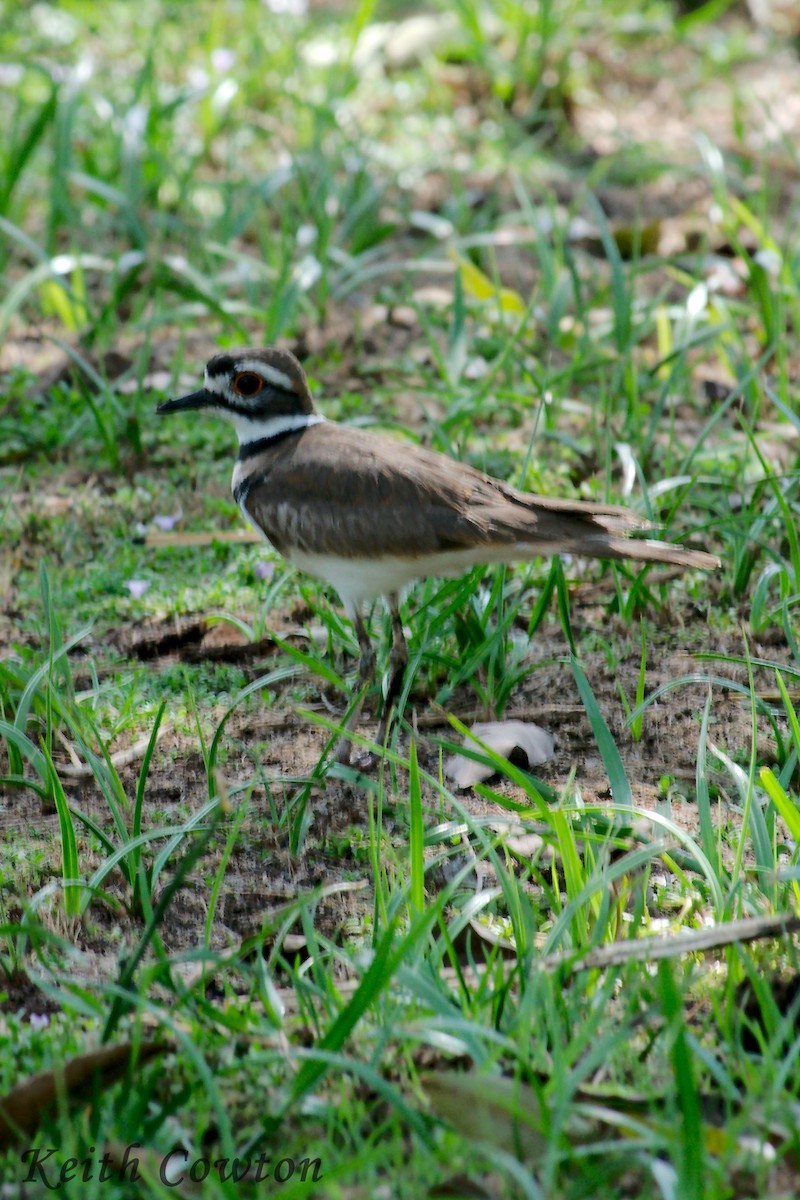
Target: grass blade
(692,1165)
(620,787)
(416,838)
(69,847)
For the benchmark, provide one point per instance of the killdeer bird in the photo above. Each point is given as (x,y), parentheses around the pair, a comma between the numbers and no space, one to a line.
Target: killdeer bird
(369,513)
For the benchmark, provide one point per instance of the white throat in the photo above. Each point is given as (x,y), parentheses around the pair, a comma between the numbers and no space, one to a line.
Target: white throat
(257,429)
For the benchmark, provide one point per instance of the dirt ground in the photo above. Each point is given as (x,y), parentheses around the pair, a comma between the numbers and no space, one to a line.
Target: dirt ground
(263,875)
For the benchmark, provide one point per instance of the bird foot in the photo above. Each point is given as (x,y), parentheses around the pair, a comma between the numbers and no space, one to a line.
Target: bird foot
(365,760)
(361,760)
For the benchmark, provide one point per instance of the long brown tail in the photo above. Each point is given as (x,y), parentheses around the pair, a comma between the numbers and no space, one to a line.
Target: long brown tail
(602,531)
(647,550)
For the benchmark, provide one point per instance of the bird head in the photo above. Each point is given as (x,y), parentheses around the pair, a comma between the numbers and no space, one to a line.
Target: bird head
(252,389)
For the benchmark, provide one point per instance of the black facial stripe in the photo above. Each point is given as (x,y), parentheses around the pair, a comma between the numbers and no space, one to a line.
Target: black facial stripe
(284,400)
(251,449)
(241,409)
(220,366)
(269,402)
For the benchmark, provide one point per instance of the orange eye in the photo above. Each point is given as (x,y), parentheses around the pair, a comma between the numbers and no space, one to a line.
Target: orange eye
(247,383)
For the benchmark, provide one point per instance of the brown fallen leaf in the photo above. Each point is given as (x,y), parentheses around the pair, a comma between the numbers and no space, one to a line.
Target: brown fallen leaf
(499,1111)
(523,743)
(237,536)
(22,1109)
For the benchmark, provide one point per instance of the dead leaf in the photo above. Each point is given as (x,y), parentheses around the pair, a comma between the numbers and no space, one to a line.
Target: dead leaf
(500,1111)
(237,536)
(522,742)
(22,1109)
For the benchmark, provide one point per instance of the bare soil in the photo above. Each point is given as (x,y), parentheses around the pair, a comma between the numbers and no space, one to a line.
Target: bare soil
(262,875)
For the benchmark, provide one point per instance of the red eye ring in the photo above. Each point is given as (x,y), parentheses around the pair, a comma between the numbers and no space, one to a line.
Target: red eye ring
(247,383)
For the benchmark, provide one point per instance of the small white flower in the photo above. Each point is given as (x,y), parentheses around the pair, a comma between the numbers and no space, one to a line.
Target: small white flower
(223,59)
(167,521)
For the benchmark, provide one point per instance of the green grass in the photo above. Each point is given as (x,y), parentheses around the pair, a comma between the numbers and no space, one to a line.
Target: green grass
(467,241)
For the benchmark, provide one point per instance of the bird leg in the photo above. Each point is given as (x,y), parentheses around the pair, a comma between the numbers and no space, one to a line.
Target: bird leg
(398,661)
(366,673)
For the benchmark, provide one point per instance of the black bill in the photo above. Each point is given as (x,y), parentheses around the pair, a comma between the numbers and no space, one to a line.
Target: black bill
(201,399)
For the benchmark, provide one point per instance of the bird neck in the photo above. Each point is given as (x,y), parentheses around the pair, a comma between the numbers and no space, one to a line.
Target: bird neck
(256,435)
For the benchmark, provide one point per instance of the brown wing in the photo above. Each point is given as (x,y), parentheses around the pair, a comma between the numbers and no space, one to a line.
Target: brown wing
(347,492)
(335,490)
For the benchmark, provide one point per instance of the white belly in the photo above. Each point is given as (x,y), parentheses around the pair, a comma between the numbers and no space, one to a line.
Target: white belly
(360,579)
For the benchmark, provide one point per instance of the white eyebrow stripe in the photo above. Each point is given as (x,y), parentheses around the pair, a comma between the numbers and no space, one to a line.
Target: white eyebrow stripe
(272,374)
